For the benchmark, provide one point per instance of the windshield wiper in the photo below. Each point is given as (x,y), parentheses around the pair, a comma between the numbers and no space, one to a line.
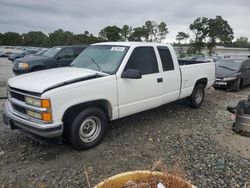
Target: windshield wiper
(100,69)
(227,68)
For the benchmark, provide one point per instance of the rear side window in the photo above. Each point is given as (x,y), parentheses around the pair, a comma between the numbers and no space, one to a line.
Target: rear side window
(166,58)
(143,59)
(66,53)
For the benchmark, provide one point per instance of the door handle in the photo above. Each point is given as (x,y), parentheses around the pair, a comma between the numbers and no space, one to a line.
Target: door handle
(159,80)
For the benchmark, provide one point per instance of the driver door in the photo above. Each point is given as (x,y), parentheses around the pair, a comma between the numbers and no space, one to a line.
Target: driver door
(135,95)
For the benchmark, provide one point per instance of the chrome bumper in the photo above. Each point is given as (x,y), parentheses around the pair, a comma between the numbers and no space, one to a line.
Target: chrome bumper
(49,130)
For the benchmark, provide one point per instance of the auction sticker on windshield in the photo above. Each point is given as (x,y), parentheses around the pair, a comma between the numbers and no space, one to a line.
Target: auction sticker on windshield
(118,49)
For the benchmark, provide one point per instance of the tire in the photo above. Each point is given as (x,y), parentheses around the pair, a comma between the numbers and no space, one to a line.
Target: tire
(237,85)
(197,96)
(88,128)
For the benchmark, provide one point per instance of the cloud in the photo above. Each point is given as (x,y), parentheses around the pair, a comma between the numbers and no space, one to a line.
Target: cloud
(78,16)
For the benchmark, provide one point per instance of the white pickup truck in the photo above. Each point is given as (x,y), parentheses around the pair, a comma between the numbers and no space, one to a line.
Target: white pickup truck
(107,81)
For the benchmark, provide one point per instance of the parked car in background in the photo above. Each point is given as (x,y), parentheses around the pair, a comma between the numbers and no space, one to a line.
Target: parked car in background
(5,54)
(20,55)
(232,74)
(39,53)
(2,53)
(58,56)
(107,81)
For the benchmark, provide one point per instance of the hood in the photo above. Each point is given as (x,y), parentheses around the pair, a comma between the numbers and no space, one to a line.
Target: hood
(32,59)
(224,73)
(42,81)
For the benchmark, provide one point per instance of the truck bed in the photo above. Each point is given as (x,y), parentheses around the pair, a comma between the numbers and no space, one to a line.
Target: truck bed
(192,71)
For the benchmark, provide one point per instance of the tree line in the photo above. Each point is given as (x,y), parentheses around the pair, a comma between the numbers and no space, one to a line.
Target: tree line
(208,32)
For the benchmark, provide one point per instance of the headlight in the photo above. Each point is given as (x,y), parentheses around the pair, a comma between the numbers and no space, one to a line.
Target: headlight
(23,65)
(42,103)
(45,116)
(229,78)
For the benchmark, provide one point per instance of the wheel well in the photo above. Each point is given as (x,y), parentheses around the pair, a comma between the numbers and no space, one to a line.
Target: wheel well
(202,81)
(72,111)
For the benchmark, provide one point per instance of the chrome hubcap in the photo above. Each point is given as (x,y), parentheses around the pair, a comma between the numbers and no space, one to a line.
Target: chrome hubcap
(198,96)
(90,129)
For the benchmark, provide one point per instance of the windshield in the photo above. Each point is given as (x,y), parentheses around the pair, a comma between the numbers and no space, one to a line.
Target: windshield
(104,58)
(51,52)
(41,52)
(232,64)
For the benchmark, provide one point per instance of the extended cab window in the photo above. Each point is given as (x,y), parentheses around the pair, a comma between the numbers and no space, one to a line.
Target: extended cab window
(166,58)
(66,53)
(143,59)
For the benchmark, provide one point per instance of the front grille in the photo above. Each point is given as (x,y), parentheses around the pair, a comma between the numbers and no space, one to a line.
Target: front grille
(19,109)
(17,96)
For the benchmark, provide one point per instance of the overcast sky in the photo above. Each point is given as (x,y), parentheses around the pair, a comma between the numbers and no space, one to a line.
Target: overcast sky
(92,15)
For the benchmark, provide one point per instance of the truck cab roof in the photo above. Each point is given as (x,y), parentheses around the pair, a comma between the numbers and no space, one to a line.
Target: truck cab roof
(132,44)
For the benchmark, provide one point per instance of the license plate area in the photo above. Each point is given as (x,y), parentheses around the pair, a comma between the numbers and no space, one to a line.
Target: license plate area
(220,83)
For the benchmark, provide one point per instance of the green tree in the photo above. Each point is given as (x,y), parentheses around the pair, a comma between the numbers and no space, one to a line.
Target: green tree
(137,34)
(86,33)
(1,38)
(84,39)
(162,31)
(34,38)
(242,42)
(110,33)
(12,39)
(60,37)
(200,29)
(219,31)
(125,32)
(212,31)
(182,36)
(149,30)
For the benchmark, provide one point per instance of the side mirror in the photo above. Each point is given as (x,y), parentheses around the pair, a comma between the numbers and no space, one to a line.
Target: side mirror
(132,74)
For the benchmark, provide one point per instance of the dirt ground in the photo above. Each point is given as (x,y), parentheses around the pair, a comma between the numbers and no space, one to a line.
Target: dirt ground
(198,142)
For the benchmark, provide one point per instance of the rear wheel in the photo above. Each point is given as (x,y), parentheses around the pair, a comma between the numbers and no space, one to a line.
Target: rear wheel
(88,128)
(197,96)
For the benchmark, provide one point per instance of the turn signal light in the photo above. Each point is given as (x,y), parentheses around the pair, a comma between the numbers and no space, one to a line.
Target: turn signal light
(45,103)
(47,116)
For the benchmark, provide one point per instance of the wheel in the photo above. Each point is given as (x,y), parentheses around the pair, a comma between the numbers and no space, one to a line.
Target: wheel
(88,128)
(237,84)
(197,96)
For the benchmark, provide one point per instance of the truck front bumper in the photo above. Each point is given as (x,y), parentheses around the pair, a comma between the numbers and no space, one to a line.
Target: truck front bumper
(19,71)
(42,130)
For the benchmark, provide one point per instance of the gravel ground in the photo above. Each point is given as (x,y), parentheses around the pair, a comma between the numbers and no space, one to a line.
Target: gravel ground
(199,142)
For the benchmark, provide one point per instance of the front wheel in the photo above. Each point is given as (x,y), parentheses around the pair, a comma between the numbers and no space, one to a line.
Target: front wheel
(236,85)
(197,96)
(88,128)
